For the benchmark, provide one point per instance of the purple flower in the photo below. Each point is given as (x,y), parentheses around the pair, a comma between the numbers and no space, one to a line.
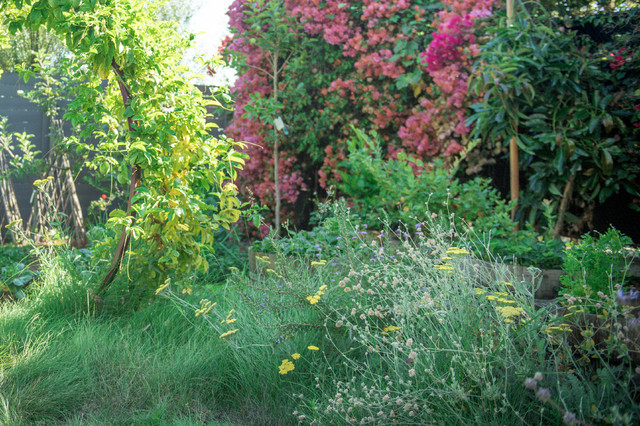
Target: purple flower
(543,394)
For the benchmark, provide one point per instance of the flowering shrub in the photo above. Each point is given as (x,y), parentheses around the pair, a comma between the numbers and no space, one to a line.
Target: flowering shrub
(361,65)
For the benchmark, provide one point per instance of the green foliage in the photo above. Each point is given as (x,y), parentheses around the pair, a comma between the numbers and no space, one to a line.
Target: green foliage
(595,265)
(180,175)
(389,188)
(20,152)
(569,106)
(14,273)
(527,247)
(392,336)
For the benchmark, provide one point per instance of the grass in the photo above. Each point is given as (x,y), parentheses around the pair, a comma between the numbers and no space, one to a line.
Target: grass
(412,333)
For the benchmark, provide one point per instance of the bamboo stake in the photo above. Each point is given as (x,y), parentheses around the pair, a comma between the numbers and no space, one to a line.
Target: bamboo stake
(514,169)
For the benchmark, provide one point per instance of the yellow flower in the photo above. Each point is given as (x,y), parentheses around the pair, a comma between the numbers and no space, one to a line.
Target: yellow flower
(313,299)
(12,223)
(509,311)
(445,267)
(323,288)
(480,291)
(508,283)
(286,366)
(560,328)
(295,356)
(163,286)
(313,348)
(508,301)
(40,182)
(228,333)
(455,251)
(187,291)
(205,307)
(446,258)
(233,268)
(228,319)
(271,271)
(391,328)
(319,263)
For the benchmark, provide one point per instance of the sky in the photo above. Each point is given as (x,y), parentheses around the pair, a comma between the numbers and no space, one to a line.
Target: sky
(209,23)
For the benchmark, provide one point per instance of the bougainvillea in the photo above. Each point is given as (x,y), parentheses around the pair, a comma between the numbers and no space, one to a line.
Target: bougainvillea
(397,67)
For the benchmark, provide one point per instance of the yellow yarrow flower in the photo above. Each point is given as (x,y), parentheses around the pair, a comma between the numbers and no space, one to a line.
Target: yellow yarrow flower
(39,183)
(205,307)
(271,271)
(455,251)
(228,319)
(313,299)
(286,366)
(313,348)
(163,286)
(445,267)
(391,328)
(228,333)
(509,311)
(319,263)
(562,328)
(296,356)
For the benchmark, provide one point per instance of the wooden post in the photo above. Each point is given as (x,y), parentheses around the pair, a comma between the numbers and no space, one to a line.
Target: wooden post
(514,172)
(514,168)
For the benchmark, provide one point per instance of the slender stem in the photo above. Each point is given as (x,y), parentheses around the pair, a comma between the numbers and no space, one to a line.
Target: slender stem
(275,145)
(136,175)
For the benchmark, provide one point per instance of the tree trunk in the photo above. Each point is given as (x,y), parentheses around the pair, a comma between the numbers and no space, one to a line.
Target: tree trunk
(566,196)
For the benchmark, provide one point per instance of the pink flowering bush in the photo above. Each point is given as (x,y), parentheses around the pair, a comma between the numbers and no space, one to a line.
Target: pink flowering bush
(399,68)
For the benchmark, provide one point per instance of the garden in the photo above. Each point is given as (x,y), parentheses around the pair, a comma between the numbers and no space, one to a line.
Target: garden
(420,212)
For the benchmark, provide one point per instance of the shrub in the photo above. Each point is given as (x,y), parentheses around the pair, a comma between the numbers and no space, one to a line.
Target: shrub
(389,188)
(595,264)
